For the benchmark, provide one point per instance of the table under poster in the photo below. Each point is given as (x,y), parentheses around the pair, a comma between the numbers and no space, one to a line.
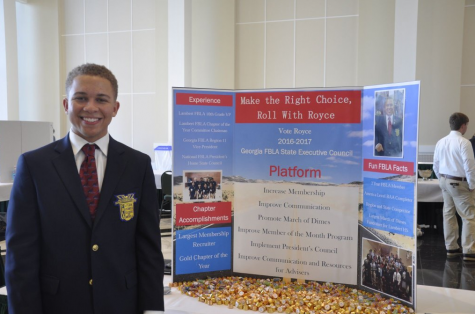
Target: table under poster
(306,184)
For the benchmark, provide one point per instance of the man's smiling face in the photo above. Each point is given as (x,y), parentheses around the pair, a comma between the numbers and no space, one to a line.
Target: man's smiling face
(90,106)
(389,107)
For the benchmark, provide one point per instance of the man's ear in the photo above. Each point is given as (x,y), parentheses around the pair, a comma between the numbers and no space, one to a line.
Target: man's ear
(65,105)
(116,108)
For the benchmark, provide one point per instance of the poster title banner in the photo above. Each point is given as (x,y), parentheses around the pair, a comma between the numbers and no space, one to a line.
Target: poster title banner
(299,107)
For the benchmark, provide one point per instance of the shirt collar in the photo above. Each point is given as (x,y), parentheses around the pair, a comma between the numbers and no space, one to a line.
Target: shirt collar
(78,142)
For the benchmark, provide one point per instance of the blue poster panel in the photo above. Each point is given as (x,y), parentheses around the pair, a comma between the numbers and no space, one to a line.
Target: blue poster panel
(389,206)
(203,132)
(204,250)
(388,219)
(297,153)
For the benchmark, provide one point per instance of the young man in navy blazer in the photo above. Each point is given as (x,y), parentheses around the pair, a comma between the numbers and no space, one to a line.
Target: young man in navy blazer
(388,132)
(63,257)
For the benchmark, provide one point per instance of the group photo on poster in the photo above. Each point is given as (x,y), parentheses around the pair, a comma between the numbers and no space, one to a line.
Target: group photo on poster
(387,269)
(202,186)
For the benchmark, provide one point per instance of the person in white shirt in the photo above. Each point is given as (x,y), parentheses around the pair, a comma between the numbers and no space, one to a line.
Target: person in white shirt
(454,165)
(396,281)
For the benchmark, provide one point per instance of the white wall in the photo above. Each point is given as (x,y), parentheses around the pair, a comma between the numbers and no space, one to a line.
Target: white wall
(296,43)
(3,66)
(161,71)
(127,37)
(212,44)
(376,30)
(467,89)
(405,40)
(8,62)
(38,66)
(439,56)
(304,43)
(245,44)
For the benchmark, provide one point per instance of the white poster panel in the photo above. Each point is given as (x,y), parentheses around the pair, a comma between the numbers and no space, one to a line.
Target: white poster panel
(296,231)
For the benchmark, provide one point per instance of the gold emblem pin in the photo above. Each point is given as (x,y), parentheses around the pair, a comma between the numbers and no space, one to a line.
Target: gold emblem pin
(126,205)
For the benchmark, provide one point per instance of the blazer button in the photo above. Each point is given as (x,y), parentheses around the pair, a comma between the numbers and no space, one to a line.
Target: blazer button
(90,282)
(95,247)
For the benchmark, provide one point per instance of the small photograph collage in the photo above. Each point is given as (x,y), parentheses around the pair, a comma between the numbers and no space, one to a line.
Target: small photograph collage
(202,186)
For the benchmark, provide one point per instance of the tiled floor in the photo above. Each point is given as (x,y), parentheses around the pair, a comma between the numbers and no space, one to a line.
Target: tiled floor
(434,269)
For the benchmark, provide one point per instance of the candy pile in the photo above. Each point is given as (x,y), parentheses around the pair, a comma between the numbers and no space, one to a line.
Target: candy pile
(277,296)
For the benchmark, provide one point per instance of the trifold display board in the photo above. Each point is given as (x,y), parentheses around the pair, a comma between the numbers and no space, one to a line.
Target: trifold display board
(311,184)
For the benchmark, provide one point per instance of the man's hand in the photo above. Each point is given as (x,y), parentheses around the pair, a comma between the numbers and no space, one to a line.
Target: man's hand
(379,147)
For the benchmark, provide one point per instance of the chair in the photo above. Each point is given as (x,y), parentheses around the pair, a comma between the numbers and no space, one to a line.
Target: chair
(166,203)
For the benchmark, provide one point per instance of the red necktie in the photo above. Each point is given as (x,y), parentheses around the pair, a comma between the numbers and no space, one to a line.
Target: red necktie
(88,175)
(390,126)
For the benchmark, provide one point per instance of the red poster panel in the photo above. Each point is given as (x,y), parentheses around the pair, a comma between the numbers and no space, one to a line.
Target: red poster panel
(204,99)
(389,166)
(338,106)
(203,213)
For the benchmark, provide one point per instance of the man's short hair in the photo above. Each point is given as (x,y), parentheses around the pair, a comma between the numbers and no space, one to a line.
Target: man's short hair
(92,70)
(456,120)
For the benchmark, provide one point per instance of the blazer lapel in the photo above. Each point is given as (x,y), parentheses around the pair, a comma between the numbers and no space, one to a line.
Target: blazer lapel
(66,167)
(116,162)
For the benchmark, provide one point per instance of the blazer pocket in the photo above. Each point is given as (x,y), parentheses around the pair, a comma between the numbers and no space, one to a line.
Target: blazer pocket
(131,279)
(49,284)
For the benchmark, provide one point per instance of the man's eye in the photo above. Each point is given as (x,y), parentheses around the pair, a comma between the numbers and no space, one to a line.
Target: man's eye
(80,98)
(101,100)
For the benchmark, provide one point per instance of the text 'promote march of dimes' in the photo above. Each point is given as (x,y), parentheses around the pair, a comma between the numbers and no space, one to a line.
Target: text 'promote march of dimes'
(296,231)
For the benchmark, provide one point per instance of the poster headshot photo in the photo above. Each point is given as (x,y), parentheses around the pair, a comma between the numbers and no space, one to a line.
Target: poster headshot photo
(389,123)
(202,186)
(387,269)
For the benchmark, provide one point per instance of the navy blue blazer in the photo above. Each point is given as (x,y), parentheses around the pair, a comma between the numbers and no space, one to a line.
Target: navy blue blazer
(392,144)
(61,262)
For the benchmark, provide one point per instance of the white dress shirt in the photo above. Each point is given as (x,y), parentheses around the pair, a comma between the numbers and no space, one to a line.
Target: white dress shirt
(397,277)
(453,156)
(100,154)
